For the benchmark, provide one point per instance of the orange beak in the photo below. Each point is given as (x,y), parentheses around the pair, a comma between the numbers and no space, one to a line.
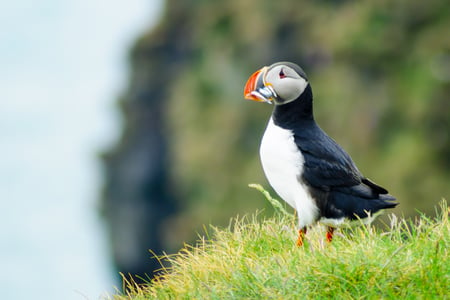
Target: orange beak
(255,84)
(250,86)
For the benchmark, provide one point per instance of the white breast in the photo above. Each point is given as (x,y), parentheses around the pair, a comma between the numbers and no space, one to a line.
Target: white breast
(283,162)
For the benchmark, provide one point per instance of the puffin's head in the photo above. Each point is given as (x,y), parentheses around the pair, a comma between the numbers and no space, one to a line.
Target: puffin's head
(280,83)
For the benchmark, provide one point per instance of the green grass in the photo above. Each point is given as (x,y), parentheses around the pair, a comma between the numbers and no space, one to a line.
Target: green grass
(256,258)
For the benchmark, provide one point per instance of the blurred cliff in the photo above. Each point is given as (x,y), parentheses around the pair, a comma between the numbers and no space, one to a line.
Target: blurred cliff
(380,72)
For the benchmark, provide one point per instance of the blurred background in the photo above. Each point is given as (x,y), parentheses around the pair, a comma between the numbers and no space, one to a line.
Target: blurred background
(103,158)
(62,65)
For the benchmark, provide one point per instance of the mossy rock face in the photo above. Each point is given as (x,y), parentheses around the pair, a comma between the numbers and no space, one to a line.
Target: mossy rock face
(379,73)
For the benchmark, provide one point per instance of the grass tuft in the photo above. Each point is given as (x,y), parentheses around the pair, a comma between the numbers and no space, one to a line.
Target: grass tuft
(275,203)
(255,258)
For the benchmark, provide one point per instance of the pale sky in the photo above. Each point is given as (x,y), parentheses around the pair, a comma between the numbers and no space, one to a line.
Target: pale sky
(62,67)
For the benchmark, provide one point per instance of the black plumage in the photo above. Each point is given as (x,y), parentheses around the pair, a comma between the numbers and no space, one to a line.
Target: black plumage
(334,181)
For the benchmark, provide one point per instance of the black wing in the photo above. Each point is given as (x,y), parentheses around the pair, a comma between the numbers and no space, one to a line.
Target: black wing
(326,164)
(338,186)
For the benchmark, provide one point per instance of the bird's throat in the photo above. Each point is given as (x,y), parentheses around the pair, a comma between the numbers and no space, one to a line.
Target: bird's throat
(300,110)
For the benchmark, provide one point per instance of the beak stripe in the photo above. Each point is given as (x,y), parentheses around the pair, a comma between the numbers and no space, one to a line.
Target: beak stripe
(251,85)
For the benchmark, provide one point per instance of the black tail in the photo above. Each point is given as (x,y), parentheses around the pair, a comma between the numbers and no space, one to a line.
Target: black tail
(353,202)
(354,206)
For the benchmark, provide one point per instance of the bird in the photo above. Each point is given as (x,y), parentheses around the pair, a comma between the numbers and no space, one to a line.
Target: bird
(305,166)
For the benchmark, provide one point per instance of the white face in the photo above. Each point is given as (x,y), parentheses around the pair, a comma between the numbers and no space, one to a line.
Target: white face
(286,83)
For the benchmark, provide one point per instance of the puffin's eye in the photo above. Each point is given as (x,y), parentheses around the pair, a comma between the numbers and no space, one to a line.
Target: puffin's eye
(281,74)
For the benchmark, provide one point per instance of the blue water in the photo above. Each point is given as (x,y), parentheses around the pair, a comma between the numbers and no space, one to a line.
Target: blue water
(62,66)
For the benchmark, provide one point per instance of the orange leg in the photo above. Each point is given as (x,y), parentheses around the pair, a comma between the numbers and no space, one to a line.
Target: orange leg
(329,236)
(301,235)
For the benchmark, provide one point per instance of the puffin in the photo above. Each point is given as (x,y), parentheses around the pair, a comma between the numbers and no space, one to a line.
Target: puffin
(306,167)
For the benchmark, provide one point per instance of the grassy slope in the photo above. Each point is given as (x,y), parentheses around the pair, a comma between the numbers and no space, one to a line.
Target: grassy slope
(258,259)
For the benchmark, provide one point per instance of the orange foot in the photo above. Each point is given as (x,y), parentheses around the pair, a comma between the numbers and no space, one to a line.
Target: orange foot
(301,235)
(329,235)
